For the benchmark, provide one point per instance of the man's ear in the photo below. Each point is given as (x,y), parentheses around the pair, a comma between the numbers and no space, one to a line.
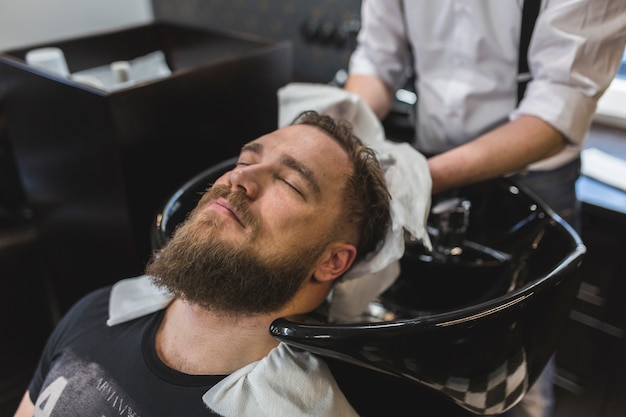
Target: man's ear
(337,259)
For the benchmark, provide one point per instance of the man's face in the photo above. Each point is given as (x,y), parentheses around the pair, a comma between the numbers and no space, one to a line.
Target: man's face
(259,232)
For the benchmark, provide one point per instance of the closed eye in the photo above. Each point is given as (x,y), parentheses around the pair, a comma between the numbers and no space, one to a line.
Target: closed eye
(289,184)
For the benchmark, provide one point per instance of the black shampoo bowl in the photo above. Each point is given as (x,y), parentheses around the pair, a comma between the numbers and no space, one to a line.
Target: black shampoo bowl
(470,324)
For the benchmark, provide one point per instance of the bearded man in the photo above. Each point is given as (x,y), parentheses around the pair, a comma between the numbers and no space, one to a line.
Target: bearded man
(267,240)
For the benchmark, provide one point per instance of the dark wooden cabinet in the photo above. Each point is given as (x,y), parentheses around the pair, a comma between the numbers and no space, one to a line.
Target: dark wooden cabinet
(96,165)
(591,358)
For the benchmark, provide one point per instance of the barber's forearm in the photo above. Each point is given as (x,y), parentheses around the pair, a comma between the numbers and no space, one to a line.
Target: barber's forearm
(374,92)
(501,151)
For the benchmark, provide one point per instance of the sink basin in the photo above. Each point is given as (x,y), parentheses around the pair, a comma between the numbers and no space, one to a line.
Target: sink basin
(486,312)
(430,284)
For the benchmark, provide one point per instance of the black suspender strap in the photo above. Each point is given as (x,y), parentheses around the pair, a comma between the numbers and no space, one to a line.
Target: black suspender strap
(530,11)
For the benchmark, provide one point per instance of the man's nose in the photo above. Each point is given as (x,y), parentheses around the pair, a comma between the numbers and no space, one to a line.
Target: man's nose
(245,179)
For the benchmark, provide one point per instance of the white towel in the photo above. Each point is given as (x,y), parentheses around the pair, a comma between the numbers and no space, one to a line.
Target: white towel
(408,180)
(280,385)
(135,297)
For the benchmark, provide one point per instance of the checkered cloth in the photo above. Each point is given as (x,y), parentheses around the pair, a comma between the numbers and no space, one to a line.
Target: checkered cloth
(493,393)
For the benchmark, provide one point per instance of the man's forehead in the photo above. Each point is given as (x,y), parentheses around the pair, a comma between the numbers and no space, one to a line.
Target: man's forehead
(296,138)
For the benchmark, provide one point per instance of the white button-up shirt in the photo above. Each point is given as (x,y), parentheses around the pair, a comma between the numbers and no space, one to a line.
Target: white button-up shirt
(466,54)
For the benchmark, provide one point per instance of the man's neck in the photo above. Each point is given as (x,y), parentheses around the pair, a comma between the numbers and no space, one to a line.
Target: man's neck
(198,342)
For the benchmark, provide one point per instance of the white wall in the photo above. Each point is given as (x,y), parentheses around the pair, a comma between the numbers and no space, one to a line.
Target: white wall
(31,22)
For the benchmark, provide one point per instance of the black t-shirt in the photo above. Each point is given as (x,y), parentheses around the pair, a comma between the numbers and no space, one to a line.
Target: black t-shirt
(90,369)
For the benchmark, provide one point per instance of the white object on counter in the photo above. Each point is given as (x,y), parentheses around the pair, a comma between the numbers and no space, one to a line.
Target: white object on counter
(123,74)
(49,59)
(604,167)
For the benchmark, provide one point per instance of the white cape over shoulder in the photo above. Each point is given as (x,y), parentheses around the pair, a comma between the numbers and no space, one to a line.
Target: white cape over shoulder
(281,385)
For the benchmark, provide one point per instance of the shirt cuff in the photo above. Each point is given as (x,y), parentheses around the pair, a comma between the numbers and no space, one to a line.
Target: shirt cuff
(564,108)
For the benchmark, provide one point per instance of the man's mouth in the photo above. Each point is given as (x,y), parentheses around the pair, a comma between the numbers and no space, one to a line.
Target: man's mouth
(222,205)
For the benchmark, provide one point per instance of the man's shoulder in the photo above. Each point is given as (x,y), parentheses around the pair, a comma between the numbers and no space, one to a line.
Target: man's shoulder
(93,300)
(88,311)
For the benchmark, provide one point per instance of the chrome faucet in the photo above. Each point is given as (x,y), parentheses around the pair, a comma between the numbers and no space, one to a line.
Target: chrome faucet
(451,220)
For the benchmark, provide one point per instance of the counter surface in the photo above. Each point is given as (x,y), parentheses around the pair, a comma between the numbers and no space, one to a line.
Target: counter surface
(595,195)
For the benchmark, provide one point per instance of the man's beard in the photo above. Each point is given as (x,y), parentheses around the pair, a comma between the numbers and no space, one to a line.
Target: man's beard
(219,275)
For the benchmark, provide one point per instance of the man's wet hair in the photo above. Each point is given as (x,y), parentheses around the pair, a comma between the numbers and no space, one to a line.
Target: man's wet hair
(365,195)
